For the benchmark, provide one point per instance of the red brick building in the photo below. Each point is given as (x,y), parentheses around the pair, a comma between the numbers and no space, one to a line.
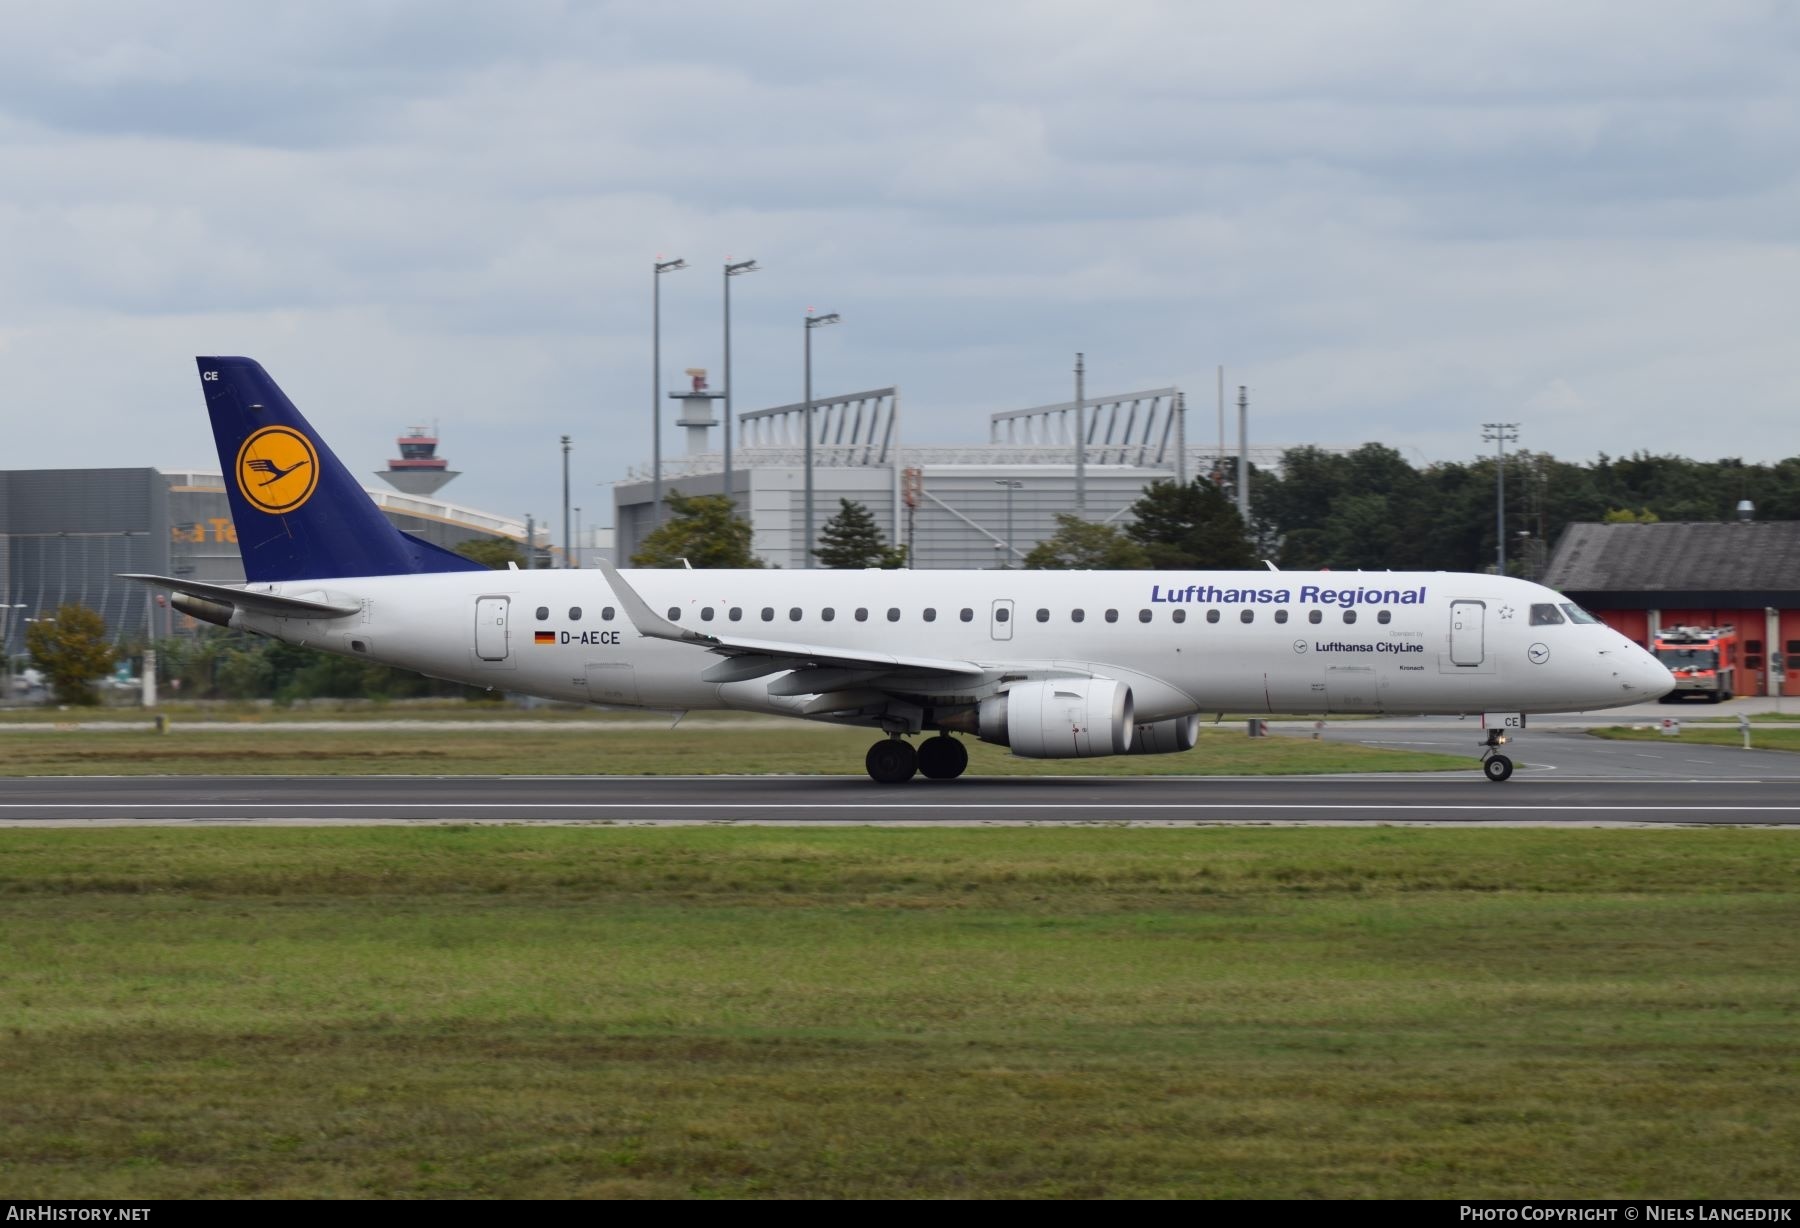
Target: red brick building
(1644,577)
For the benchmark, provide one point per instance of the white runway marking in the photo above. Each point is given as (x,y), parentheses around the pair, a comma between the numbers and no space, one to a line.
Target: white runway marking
(1488,808)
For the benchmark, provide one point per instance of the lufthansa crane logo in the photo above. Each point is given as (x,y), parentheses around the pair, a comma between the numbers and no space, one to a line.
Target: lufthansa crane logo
(277,469)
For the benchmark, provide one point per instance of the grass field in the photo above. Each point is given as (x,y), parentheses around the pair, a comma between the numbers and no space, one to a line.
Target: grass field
(759,747)
(1707,735)
(911,1013)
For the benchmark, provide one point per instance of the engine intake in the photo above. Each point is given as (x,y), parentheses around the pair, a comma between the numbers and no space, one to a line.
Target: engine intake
(1074,718)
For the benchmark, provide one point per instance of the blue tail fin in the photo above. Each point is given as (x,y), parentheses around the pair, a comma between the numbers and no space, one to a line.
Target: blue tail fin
(299,514)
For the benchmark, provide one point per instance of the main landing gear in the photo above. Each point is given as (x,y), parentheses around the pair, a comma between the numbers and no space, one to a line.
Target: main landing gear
(893,761)
(1494,765)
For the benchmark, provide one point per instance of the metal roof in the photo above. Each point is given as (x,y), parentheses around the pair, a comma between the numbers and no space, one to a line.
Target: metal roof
(1733,556)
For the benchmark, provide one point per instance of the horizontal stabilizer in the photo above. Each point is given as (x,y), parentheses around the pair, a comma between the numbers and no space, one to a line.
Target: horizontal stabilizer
(258,603)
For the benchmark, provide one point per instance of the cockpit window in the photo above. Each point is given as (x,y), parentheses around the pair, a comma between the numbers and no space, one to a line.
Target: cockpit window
(1577,614)
(1545,614)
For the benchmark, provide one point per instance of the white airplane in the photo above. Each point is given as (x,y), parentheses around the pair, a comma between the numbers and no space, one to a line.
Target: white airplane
(1053,664)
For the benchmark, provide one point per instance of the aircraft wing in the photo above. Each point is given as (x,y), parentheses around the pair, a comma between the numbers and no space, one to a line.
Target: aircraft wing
(260,603)
(754,658)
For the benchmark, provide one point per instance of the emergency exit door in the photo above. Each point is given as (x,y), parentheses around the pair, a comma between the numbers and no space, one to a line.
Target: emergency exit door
(1467,624)
(490,628)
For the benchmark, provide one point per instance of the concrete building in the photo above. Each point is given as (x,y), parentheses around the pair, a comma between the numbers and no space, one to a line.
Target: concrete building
(974,506)
(66,534)
(1641,578)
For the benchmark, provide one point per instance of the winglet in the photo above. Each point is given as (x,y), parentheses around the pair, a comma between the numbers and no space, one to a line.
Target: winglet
(647,621)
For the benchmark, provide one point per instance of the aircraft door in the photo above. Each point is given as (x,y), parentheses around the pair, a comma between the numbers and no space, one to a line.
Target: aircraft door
(1467,627)
(612,682)
(1001,620)
(490,628)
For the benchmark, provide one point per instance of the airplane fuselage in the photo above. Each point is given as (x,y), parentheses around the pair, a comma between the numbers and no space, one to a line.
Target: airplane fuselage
(1265,642)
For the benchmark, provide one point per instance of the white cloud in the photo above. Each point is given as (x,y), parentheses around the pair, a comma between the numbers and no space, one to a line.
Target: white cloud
(1393,220)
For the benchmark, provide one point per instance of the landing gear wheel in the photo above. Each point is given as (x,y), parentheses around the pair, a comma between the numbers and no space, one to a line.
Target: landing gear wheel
(1497,767)
(891,761)
(942,758)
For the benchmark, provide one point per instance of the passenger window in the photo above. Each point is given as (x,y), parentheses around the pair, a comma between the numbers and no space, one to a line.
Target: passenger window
(1349,616)
(930,614)
(1178,615)
(827,614)
(794,614)
(1043,616)
(1212,616)
(1076,616)
(967,614)
(574,613)
(893,614)
(606,615)
(543,613)
(1545,615)
(674,613)
(768,613)
(1386,616)
(1280,616)
(1143,616)
(1000,615)
(706,613)
(862,614)
(1246,616)
(1315,616)
(736,615)
(1112,616)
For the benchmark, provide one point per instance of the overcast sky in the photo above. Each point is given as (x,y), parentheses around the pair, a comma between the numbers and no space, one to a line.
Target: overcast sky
(1393,221)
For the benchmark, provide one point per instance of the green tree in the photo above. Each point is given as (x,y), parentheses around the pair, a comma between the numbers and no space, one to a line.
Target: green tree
(704,530)
(72,651)
(494,552)
(851,539)
(1078,545)
(1624,515)
(1192,526)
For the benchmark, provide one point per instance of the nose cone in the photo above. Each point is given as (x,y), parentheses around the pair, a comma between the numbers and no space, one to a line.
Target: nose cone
(1647,676)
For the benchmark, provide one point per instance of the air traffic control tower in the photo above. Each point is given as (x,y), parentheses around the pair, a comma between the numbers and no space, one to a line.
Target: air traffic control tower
(419,469)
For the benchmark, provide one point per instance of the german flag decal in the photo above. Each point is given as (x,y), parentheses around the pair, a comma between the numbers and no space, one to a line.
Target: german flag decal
(545,637)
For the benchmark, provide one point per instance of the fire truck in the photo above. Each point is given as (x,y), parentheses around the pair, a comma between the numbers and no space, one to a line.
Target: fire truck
(1704,661)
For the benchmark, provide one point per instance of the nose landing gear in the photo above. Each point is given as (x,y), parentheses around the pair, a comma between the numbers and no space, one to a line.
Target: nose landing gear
(1494,765)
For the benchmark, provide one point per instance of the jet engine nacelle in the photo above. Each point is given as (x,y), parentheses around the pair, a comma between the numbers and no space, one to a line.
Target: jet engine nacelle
(1166,737)
(1074,718)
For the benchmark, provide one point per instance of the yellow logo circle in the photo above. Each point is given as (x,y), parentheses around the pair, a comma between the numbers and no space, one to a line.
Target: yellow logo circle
(277,469)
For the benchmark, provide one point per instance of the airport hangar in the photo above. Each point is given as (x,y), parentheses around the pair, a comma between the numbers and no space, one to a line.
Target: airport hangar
(66,534)
(957,507)
(1641,578)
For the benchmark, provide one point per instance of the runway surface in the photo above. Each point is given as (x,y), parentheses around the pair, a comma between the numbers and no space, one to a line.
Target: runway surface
(796,800)
(1568,778)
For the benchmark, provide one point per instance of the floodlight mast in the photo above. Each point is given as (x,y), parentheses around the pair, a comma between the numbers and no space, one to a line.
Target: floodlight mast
(1500,434)
(662,266)
(806,418)
(731,270)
